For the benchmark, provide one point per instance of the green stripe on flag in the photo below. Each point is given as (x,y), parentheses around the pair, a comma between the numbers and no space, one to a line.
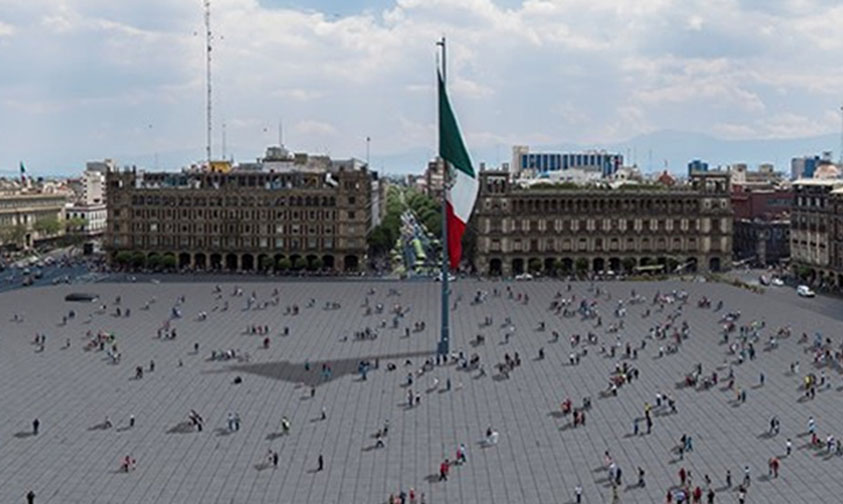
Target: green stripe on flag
(451,147)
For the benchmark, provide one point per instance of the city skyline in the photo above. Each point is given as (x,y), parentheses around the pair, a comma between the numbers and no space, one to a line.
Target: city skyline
(89,80)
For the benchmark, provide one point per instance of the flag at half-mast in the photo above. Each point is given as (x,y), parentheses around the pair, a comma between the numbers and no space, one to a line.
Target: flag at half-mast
(462,191)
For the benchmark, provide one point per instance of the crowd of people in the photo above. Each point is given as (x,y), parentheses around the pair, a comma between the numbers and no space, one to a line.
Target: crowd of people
(668,333)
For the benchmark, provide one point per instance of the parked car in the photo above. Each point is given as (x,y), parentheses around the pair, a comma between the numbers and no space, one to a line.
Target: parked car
(805,291)
(778,282)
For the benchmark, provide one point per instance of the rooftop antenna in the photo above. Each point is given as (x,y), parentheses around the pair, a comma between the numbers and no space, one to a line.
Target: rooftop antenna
(208,39)
(223,139)
(280,133)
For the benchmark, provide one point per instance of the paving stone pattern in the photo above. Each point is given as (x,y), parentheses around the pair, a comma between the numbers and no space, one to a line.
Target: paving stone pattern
(539,457)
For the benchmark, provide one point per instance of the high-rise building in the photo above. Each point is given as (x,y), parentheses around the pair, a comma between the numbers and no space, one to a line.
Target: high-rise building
(540,163)
(804,167)
(697,166)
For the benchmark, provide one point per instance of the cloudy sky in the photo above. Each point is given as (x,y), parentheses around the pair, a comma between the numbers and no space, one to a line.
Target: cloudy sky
(87,79)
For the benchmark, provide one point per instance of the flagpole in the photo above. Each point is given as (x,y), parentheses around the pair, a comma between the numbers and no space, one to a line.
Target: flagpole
(444,334)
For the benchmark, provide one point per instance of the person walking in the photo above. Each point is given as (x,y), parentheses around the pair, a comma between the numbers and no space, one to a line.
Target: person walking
(30,497)
(321,463)
(578,493)
(443,470)
(35,425)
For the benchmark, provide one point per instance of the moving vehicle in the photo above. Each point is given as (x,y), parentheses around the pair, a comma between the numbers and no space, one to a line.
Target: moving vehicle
(805,291)
(524,276)
(451,277)
(777,282)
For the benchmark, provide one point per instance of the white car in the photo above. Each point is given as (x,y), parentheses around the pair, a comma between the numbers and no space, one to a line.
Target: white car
(451,277)
(778,282)
(524,276)
(804,291)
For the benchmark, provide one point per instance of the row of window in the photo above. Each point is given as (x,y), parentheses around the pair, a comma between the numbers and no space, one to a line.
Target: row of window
(508,225)
(234,201)
(231,229)
(226,242)
(262,215)
(603,205)
(597,244)
(29,203)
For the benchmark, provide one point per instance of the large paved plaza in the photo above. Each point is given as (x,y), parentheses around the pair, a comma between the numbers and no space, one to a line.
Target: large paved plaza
(539,456)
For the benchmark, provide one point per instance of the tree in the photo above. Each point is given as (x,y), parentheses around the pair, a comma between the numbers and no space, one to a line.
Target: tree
(434,225)
(581,265)
(284,264)
(299,263)
(154,261)
(75,224)
(628,264)
(138,259)
(123,257)
(47,227)
(265,262)
(169,261)
(315,264)
(534,265)
(380,240)
(13,234)
(557,266)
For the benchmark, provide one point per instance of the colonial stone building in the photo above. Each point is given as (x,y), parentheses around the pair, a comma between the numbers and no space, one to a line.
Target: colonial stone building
(245,219)
(816,230)
(21,212)
(550,229)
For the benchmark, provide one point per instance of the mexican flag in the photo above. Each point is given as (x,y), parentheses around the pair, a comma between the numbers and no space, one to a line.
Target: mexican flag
(463,181)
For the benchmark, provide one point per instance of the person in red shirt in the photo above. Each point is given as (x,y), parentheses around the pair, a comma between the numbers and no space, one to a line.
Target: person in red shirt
(698,495)
(443,470)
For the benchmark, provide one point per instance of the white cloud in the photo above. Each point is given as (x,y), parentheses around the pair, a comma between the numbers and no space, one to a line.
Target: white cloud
(315,128)
(6,30)
(548,71)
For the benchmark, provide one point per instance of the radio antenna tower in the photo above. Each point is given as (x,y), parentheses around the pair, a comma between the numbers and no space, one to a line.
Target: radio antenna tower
(208,39)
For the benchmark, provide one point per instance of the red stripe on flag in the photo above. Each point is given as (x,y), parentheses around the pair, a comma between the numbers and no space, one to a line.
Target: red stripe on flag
(456,228)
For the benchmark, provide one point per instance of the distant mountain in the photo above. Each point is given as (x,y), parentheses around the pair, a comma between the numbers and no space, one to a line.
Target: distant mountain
(650,151)
(679,147)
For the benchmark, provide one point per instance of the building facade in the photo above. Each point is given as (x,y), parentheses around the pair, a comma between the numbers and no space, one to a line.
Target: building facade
(547,230)
(816,230)
(92,218)
(538,163)
(244,219)
(24,217)
(696,166)
(762,224)
(804,167)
